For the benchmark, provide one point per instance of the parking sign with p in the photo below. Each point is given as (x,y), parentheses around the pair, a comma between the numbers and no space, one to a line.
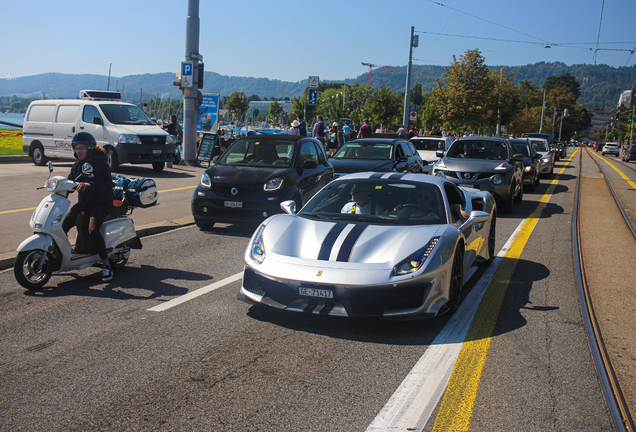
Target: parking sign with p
(187,73)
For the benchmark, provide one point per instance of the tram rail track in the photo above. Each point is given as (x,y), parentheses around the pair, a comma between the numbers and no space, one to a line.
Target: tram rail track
(617,404)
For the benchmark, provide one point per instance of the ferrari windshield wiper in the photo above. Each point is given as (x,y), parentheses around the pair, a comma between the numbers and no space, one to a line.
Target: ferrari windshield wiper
(313,215)
(360,218)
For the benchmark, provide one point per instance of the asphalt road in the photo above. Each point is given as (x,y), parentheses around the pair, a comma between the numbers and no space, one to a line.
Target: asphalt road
(86,355)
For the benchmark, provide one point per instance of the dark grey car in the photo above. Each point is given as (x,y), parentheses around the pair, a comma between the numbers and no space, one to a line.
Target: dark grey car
(485,163)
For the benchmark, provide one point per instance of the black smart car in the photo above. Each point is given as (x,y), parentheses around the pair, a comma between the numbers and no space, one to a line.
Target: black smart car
(377,154)
(255,174)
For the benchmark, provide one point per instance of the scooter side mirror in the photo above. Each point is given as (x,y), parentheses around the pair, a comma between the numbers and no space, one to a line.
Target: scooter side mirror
(87,168)
(50,167)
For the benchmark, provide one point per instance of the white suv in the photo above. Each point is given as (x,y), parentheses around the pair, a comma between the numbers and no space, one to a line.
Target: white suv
(611,148)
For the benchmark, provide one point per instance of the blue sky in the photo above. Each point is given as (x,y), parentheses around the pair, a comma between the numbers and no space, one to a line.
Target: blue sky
(290,41)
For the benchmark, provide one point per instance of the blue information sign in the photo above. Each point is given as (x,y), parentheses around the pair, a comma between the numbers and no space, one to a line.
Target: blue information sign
(413,107)
(208,113)
(313,97)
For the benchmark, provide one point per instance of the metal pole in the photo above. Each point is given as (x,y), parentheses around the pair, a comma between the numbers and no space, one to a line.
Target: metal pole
(542,111)
(553,120)
(405,120)
(141,99)
(190,96)
(561,126)
(498,131)
(107,89)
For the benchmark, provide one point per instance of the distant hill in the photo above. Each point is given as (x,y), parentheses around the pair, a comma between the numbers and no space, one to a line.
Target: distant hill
(601,85)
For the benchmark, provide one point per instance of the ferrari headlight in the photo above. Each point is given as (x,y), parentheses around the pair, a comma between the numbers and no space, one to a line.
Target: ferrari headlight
(257,252)
(415,261)
(273,184)
(528,168)
(205,181)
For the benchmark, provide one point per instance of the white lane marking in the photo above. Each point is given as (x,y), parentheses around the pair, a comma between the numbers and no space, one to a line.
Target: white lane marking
(412,404)
(196,293)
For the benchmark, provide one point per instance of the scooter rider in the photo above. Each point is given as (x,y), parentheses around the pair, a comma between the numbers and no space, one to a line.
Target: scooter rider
(95,193)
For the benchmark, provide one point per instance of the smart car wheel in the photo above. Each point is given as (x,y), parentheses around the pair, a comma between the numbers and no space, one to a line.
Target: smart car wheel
(456,281)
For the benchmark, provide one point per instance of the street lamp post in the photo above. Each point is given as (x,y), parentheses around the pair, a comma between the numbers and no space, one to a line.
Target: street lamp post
(413,41)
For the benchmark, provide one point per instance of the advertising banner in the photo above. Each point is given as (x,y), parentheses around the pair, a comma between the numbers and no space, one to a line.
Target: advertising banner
(208,113)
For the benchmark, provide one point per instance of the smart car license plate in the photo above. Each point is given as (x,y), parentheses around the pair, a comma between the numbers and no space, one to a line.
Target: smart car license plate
(315,292)
(233,204)
(156,152)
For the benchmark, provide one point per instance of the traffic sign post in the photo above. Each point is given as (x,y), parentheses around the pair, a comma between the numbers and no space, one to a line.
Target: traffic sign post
(413,116)
(314,81)
(313,96)
(187,74)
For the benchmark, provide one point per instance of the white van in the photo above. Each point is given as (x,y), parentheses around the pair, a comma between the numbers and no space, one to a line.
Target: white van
(122,129)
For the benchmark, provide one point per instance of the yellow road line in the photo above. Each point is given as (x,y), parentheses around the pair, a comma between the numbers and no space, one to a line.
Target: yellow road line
(33,208)
(631,183)
(456,409)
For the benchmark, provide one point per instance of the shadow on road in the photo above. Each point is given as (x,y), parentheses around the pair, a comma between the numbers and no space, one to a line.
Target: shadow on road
(129,283)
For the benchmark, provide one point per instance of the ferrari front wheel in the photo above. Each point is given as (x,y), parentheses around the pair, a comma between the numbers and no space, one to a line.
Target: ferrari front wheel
(456,280)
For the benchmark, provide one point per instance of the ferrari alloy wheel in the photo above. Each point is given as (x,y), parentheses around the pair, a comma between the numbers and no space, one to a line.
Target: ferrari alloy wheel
(456,281)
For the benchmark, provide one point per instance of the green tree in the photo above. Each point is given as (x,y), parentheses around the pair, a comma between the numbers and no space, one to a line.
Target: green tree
(238,105)
(506,95)
(465,97)
(384,109)
(275,112)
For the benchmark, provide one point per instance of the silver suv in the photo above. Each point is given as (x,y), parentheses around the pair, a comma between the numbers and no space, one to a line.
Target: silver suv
(611,148)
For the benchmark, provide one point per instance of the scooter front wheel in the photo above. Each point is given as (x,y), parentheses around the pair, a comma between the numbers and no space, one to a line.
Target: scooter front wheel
(27,269)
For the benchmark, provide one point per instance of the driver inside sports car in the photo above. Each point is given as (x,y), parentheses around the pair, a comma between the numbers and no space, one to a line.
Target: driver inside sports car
(361,202)
(425,204)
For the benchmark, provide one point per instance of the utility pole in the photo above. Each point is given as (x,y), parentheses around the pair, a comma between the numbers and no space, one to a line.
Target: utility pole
(498,132)
(109,67)
(413,41)
(542,111)
(190,93)
(553,120)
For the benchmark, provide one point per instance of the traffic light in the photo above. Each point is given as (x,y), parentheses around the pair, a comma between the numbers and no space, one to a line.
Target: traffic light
(618,117)
(631,119)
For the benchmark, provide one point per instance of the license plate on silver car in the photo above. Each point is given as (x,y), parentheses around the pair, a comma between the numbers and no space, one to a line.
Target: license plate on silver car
(315,292)
(233,204)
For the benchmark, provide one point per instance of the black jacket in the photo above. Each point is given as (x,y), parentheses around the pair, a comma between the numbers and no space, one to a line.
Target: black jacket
(101,190)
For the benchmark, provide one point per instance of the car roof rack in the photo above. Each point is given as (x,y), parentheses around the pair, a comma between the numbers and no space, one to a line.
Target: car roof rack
(100,95)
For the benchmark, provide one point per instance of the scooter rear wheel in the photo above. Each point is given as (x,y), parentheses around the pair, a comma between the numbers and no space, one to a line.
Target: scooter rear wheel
(25,272)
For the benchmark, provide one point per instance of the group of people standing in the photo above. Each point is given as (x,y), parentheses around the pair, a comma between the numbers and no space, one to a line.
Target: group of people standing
(330,136)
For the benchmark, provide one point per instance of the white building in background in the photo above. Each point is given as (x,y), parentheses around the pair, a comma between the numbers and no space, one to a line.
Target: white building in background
(627,98)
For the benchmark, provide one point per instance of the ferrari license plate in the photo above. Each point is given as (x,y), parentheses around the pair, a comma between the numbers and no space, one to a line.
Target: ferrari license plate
(315,292)
(233,204)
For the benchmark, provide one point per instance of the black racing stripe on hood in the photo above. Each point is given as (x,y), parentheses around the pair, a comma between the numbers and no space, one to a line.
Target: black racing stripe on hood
(395,176)
(327,244)
(349,242)
(377,175)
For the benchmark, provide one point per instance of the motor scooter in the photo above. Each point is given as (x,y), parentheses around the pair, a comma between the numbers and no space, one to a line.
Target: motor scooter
(49,249)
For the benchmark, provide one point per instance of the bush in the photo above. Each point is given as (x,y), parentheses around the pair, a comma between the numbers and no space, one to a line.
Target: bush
(11,142)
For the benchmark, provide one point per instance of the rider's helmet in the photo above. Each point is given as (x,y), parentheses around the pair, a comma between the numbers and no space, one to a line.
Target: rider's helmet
(84,138)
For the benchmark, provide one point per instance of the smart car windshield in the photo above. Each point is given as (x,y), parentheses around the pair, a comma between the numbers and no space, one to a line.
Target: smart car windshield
(428,144)
(378,201)
(125,114)
(256,152)
(478,149)
(358,150)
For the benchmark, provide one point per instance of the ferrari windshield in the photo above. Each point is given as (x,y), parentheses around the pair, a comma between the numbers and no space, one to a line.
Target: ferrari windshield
(125,114)
(381,201)
(477,149)
(365,150)
(257,152)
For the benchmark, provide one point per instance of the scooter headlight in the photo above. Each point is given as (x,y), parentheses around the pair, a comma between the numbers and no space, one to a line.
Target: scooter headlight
(50,185)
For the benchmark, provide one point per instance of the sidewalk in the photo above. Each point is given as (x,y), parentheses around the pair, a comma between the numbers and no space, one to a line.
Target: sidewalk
(14,158)
(7,259)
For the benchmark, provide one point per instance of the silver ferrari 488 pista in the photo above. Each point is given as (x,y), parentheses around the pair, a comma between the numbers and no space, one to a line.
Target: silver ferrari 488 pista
(372,245)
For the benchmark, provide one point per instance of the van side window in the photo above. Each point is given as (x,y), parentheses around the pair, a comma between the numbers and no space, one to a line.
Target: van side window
(41,113)
(67,114)
(90,112)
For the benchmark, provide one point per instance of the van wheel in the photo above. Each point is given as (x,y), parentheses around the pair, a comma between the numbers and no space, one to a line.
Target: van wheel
(38,155)
(158,166)
(111,159)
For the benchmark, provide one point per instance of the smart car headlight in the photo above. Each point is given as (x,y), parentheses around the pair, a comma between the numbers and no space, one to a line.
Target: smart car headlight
(273,184)
(416,260)
(257,252)
(205,181)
